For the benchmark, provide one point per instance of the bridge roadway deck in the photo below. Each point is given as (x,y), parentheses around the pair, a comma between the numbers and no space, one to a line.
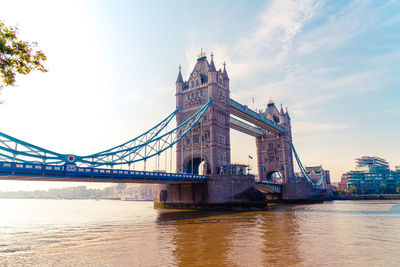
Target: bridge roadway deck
(269,187)
(72,173)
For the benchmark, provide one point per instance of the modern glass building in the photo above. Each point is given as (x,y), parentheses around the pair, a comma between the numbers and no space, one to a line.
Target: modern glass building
(372,175)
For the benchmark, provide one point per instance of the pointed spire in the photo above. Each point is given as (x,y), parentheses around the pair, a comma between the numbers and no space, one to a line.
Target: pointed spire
(271,102)
(179,79)
(212,66)
(287,113)
(202,55)
(281,112)
(225,73)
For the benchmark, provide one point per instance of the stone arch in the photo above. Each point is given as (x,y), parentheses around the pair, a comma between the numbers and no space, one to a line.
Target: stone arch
(197,165)
(274,176)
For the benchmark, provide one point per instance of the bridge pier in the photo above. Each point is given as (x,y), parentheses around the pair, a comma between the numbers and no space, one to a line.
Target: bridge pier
(220,192)
(299,192)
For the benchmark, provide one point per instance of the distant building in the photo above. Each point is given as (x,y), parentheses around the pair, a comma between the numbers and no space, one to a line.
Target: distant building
(372,175)
(371,161)
(139,192)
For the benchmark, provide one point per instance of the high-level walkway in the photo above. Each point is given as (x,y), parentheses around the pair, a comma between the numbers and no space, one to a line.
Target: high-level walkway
(244,112)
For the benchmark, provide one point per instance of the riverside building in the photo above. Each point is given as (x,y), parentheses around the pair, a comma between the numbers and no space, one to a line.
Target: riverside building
(372,175)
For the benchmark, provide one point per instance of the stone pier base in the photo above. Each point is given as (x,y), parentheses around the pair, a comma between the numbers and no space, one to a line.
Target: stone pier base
(299,192)
(220,192)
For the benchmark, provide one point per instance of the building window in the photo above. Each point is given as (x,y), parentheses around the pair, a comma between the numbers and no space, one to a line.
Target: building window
(201,93)
(188,97)
(270,146)
(197,82)
(221,139)
(195,139)
(192,95)
(188,141)
(220,118)
(197,94)
(277,159)
(192,83)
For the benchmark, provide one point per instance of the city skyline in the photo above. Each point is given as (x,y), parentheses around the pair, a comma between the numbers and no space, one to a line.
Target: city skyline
(332,63)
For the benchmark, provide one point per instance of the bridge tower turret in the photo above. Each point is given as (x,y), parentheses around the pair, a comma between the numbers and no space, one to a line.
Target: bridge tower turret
(274,151)
(209,141)
(179,87)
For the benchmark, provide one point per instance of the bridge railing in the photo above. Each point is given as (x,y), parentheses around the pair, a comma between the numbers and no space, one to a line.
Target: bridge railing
(40,169)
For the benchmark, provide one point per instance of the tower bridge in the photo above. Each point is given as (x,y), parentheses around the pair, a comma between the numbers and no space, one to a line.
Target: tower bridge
(204,115)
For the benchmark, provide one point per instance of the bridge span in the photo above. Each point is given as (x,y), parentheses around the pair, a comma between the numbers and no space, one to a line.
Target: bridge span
(204,116)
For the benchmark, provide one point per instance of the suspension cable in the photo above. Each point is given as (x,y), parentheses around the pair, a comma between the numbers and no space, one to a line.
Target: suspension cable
(192,141)
(201,145)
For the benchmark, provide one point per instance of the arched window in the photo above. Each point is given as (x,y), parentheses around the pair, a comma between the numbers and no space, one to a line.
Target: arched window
(197,82)
(192,83)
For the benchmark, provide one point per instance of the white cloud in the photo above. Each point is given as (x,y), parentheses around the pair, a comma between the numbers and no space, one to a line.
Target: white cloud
(279,22)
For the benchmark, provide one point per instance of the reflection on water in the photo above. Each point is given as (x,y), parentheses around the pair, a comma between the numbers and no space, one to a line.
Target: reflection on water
(117,233)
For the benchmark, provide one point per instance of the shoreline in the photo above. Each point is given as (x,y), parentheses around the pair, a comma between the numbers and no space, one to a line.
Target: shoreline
(366,197)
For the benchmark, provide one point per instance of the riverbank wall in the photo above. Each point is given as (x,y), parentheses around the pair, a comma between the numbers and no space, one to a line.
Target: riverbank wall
(365,197)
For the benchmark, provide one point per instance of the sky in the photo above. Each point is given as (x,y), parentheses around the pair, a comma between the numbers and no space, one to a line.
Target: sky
(113,65)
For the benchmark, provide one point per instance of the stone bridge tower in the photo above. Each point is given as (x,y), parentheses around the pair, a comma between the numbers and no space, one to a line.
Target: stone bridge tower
(274,151)
(209,141)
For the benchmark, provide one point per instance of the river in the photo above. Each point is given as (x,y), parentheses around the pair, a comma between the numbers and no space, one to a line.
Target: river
(124,233)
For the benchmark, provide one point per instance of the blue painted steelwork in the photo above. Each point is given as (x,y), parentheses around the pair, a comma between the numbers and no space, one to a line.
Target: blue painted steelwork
(71,172)
(274,187)
(258,119)
(143,138)
(149,149)
(141,148)
(304,172)
(245,128)
(21,151)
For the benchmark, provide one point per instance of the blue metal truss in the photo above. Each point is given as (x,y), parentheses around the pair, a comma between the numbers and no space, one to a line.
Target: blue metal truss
(304,172)
(149,149)
(147,145)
